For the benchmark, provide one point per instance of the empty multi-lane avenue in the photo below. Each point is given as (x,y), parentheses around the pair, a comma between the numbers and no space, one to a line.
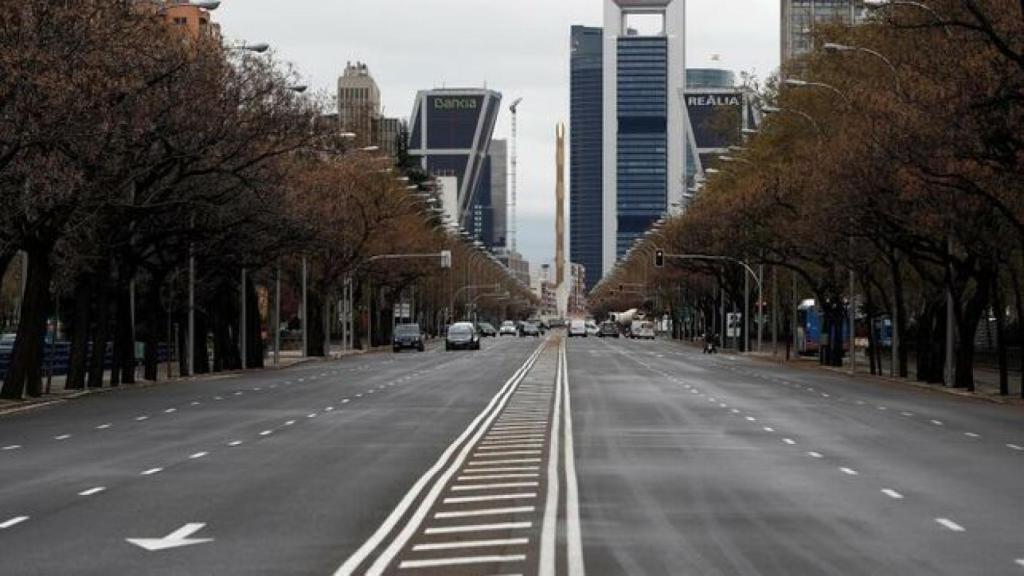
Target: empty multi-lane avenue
(532,456)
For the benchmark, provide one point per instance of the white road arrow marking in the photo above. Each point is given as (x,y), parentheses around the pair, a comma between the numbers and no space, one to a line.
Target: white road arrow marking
(176,539)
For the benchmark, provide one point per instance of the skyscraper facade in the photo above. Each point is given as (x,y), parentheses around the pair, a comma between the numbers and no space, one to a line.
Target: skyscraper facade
(359,102)
(450,135)
(586,117)
(800,17)
(498,159)
(643,118)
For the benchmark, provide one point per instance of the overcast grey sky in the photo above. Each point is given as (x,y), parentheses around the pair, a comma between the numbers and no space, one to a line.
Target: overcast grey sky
(518,47)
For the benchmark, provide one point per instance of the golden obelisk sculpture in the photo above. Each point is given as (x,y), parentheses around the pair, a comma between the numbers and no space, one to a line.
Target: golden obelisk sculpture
(561,286)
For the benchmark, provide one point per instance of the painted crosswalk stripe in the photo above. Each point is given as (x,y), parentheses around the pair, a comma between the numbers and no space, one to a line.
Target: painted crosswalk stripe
(490,498)
(461,561)
(471,544)
(479,528)
(502,485)
(484,512)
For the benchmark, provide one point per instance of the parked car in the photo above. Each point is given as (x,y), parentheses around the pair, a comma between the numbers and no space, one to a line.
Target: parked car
(508,328)
(462,336)
(407,336)
(592,329)
(487,330)
(530,329)
(577,328)
(608,330)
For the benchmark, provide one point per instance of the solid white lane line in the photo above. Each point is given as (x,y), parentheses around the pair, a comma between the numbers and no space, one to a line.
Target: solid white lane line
(815,455)
(462,561)
(573,528)
(198,455)
(471,544)
(849,471)
(479,528)
(498,476)
(12,522)
(62,437)
(489,498)
(152,471)
(92,491)
(484,512)
(503,485)
(103,426)
(892,494)
(949,524)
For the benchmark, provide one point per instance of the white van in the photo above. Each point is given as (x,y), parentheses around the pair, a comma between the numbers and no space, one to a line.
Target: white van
(577,328)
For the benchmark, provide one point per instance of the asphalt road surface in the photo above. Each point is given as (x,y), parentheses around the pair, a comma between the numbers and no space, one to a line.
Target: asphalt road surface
(531,456)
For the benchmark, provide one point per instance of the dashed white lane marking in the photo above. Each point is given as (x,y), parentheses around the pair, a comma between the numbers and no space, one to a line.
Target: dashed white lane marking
(751,419)
(141,418)
(892,494)
(972,435)
(735,411)
(12,447)
(789,441)
(883,408)
(485,512)
(937,422)
(92,491)
(198,455)
(290,423)
(479,528)
(311,415)
(949,524)
(170,411)
(151,471)
(62,437)
(1019,562)
(196,403)
(815,455)
(103,426)
(471,544)
(329,409)
(849,471)
(769,429)
(234,443)
(12,522)
(266,433)
(239,393)
(345,400)
(489,498)
(218,397)
(462,561)
(907,414)
(1015,447)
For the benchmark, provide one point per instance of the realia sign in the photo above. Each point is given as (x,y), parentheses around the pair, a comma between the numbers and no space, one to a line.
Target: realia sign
(716,117)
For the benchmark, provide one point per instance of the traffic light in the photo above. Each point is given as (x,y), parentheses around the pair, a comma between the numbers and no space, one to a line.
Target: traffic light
(659,259)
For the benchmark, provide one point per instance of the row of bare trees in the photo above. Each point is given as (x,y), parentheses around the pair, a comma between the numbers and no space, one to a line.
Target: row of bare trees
(133,157)
(893,153)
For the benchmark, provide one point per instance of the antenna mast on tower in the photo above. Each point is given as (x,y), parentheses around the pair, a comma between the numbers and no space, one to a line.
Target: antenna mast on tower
(512,233)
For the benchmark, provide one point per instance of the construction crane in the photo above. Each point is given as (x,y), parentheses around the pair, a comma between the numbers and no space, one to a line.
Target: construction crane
(512,233)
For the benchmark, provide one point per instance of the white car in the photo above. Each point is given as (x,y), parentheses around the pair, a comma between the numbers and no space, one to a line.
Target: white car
(644,331)
(577,328)
(592,329)
(508,328)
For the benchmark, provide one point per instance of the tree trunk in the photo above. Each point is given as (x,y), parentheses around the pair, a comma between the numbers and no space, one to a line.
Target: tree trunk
(967,323)
(314,324)
(900,326)
(1019,302)
(77,363)
(123,368)
(930,340)
(24,374)
(202,353)
(226,354)
(101,329)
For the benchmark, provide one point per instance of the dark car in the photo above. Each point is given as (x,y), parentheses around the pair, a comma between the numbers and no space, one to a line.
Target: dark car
(462,336)
(408,336)
(608,330)
(487,330)
(530,329)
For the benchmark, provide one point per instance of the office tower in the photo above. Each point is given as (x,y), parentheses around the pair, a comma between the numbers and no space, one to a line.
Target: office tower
(800,17)
(359,102)
(586,121)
